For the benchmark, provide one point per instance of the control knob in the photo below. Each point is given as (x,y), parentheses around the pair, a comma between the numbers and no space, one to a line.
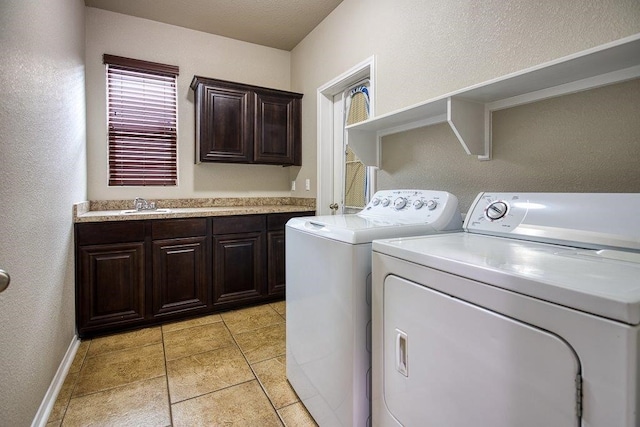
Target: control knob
(375,202)
(399,203)
(418,204)
(432,204)
(385,202)
(496,210)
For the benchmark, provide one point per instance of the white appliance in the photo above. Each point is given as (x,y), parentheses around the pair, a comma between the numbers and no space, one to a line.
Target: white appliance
(528,318)
(328,276)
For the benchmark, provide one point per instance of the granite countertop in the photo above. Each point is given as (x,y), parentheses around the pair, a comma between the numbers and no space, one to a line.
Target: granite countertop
(114,210)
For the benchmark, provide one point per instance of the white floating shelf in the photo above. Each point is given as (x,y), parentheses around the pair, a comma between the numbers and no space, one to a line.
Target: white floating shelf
(468,111)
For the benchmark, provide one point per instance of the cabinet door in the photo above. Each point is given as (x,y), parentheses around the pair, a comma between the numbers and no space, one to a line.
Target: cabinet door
(277,129)
(179,275)
(238,268)
(275,261)
(224,124)
(276,250)
(110,290)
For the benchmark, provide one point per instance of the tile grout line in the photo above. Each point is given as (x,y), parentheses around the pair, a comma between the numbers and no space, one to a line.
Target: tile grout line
(86,356)
(299,400)
(234,344)
(196,354)
(166,377)
(262,387)
(214,391)
(115,387)
(75,384)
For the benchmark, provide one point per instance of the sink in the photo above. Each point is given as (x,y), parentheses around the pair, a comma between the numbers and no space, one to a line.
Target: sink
(150,211)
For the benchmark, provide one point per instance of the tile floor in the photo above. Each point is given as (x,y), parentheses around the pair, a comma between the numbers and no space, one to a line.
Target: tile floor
(223,369)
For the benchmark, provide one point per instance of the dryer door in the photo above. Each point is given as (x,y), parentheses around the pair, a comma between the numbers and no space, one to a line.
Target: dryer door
(451,363)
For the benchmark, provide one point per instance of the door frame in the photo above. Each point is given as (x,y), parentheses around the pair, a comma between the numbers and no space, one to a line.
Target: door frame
(325,143)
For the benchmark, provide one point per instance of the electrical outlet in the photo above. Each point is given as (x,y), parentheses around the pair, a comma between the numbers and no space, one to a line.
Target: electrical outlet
(307,184)
(293,186)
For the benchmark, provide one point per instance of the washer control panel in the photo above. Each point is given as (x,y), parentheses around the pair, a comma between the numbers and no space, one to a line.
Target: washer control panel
(589,220)
(497,212)
(410,206)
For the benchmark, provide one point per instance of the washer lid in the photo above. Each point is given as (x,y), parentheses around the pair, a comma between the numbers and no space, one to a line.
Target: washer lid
(357,229)
(602,282)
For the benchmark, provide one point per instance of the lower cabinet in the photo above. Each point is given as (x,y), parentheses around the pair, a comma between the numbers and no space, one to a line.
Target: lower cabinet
(136,273)
(110,277)
(179,283)
(275,259)
(238,259)
(275,251)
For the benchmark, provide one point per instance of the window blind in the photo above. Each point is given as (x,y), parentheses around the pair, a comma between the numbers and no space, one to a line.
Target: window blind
(142,122)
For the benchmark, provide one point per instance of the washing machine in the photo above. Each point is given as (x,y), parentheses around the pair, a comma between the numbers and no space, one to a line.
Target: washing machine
(328,310)
(530,317)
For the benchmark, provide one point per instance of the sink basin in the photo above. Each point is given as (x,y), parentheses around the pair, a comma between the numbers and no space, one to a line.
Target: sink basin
(154,211)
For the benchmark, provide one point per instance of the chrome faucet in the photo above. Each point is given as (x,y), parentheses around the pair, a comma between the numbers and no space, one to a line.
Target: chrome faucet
(141,204)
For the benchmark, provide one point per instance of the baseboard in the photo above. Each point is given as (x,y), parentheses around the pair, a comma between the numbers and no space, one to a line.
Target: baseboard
(50,396)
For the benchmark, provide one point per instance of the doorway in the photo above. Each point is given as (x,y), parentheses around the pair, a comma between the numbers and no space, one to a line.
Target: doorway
(331,138)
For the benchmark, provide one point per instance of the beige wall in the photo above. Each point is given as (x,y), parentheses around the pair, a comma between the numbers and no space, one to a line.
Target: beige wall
(426,48)
(196,53)
(586,142)
(43,172)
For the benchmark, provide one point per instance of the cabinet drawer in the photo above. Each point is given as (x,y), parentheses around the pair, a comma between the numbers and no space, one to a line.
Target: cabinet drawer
(172,228)
(110,232)
(238,224)
(278,220)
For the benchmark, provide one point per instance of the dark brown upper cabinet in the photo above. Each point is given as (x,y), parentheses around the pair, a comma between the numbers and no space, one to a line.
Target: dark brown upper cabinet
(238,123)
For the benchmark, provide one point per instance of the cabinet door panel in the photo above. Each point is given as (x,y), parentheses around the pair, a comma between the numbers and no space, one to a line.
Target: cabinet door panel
(277,221)
(225,124)
(102,233)
(238,267)
(111,288)
(275,261)
(173,228)
(238,224)
(276,250)
(179,275)
(276,131)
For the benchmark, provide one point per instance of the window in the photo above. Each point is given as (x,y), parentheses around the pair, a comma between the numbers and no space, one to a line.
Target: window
(142,122)
(356,176)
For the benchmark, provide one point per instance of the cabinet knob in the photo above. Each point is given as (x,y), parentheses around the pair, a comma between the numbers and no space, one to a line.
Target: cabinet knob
(333,206)
(4,280)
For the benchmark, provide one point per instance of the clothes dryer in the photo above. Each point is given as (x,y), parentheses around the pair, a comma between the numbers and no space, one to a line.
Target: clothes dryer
(528,318)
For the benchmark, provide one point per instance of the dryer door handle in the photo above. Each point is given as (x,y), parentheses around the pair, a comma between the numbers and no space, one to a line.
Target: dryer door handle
(402,346)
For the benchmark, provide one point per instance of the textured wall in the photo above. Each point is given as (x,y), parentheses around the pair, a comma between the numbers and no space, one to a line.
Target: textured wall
(585,142)
(196,53)
(42,147)
(426,48)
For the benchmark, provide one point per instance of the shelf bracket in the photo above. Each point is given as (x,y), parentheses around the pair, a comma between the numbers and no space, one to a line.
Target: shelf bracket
(469,121)
(488,134)
(371,154)
(366,145)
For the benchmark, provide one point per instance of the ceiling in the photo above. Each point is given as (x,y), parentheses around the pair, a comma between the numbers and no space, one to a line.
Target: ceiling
(281,24)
